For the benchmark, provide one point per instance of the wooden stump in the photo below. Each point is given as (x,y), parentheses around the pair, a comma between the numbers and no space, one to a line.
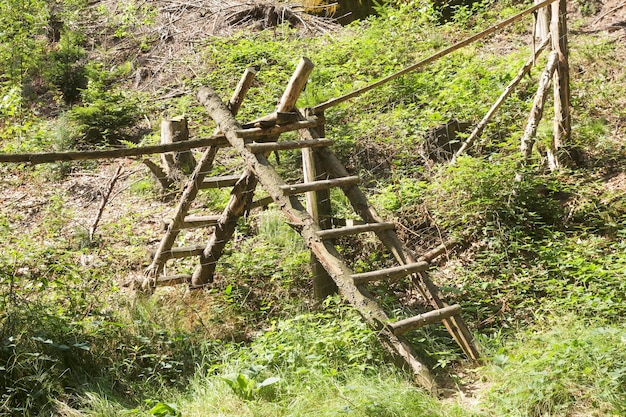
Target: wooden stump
(176,130)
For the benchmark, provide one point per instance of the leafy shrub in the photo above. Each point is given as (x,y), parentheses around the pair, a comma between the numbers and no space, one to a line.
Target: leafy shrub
(66,69)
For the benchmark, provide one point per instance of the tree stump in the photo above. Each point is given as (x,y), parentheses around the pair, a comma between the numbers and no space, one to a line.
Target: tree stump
(176,130)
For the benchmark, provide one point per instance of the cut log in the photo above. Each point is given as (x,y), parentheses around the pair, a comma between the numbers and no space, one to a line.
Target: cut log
(283,146)
(273,119)
(562,117)
(219,182)
(353,230)
(264,202)
(292,189)
(439,250)
(435,316)
(390,273)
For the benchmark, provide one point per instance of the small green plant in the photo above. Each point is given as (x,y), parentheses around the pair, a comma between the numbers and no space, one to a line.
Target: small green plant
(247,387)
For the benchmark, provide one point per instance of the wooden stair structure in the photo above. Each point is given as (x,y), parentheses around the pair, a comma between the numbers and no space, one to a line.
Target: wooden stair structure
(253,142)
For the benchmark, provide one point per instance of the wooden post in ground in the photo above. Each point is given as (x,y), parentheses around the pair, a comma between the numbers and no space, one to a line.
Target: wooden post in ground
(176,130)
(562,118)
(244,190)
(319,207)
(542,22)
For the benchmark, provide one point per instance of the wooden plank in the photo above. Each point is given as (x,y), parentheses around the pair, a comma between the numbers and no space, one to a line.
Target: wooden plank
(184,252)
(192,222)
(221,181)
(168,280)
(292,189)
(283,146)
(353,230)
(437,251)
(263,202)
(390,273)
(258,132)
(435,316)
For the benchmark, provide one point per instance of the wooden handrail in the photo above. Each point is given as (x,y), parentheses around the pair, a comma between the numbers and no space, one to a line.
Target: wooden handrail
(337,100)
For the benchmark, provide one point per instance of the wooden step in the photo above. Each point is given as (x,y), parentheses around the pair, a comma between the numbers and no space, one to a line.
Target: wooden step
(192,222)
(167,280)
(318,185)
(353,230)
(266,147)
(421,320)
(219,182)
(390,273)
(184,252)
(263,202)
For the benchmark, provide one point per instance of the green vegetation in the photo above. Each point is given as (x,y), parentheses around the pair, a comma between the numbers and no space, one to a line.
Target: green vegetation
(540,271)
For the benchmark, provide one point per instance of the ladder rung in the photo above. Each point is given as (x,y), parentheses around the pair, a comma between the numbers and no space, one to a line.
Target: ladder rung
(390,273)
(219,182)
(173,280)
(192,222)
(283,146)
(319,185)
(421,320)
(264,202)
(184,251)
(353,230)
(257,132)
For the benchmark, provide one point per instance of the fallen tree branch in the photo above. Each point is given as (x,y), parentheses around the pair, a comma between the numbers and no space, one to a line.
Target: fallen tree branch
(105,199)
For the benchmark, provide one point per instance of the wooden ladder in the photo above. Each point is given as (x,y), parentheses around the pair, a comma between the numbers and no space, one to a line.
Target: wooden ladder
(254,143)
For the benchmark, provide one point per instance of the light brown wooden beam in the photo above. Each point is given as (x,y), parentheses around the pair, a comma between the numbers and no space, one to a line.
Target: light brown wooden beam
(292,189)
(353,230)
(390,273)
(435,316)
(283,146)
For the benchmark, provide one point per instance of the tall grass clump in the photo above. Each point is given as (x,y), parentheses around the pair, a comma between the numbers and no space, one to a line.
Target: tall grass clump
(566,366)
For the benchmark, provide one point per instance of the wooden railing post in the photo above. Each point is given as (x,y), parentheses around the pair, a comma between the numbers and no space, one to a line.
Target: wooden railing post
(319,207)
(562,119)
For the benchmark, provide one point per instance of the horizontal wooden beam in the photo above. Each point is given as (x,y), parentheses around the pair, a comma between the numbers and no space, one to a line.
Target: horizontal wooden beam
(283,146)
(257,132)
(184,252)
(435,316)
(167,280)
(353,230)
(319,185)
(263,202)
(221,181)
(43,158)
(192,222)
(390,273)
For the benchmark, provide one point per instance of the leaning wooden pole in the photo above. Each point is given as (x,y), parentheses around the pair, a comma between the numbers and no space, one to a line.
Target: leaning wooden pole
(528,140)
(244,190)
(297,215)
(192,188)
(562,118)
(480,127)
